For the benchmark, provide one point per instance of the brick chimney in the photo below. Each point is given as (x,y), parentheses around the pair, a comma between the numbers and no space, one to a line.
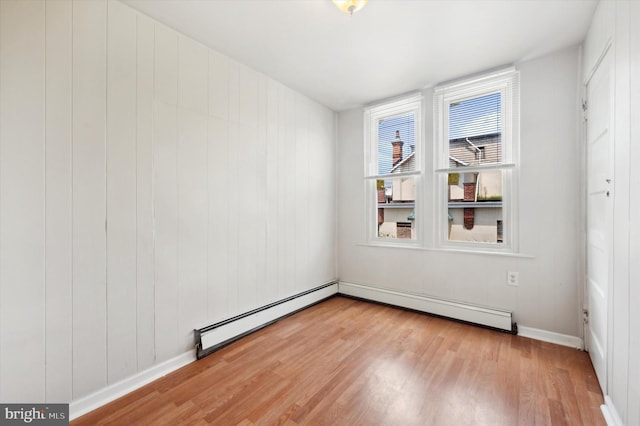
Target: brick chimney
(397,149)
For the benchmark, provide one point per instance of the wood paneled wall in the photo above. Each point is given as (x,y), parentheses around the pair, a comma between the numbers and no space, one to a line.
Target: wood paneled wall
(148,186)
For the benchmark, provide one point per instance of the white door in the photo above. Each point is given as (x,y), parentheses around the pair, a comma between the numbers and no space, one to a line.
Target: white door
(599,200)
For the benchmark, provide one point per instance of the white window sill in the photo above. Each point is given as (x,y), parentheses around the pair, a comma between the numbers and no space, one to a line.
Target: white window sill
(448,250)
(392,244)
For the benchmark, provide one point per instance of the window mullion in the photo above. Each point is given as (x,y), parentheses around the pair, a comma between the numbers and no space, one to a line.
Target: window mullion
(486,167)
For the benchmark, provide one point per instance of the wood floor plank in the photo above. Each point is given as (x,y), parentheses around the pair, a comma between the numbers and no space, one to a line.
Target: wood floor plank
(349,362)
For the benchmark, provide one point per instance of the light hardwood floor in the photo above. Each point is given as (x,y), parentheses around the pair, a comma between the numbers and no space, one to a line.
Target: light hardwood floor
(348,362)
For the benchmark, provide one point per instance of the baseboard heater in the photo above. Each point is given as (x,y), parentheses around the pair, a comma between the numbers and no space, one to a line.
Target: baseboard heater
(487,317)
(215,336)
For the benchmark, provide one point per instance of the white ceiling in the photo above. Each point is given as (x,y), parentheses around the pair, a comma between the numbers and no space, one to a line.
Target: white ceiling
(388,48)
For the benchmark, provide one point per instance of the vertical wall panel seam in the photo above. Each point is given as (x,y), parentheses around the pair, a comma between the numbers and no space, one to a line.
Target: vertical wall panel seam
(72,201)
(278,192)
(336,179)
(295,204)
(264,106)
(136,191)
(227,125)
(271,142)
(258,190)
(153,180)
(208,313)
(1,205)
(627,245)
(153,204)
(106,187)
(45,198)
(634,10)
(626,415)
(633,131)
(263,98)
(311,145)
(177,181)
(236,158)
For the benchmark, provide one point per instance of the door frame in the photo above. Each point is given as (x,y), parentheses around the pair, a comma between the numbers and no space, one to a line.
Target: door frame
(607,50)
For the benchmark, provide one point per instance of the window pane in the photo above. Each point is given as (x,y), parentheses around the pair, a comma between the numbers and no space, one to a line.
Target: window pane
(396,144)
(475,206)
(475,131)
(396,204)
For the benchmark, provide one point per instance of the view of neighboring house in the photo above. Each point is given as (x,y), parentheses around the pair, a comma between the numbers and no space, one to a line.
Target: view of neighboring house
(475,198)
(396,197)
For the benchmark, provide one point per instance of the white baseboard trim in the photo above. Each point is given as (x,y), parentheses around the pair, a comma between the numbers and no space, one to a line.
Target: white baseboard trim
(490,317)
(485,316)
(551,337)
(249,322)
(610,413)
(107,394)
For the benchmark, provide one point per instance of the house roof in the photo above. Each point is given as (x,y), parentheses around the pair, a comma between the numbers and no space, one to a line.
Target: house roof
(403,161)
(463,151)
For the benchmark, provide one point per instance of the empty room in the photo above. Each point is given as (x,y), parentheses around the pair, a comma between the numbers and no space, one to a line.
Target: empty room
(339,212)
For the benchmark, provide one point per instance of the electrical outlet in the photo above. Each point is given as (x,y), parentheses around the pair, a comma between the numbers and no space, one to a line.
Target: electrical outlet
(512,278)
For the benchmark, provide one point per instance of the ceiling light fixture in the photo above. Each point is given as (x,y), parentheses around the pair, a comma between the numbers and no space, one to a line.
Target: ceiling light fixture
(350,6)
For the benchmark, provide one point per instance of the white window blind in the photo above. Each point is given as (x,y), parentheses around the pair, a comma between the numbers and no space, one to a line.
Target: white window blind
(396,143)
(475,131)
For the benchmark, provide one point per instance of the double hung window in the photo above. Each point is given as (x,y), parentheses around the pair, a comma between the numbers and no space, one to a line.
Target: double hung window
(476,131)
(393,144)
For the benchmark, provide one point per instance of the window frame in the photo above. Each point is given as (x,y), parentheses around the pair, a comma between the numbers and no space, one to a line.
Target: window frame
(407,104)
(506,82)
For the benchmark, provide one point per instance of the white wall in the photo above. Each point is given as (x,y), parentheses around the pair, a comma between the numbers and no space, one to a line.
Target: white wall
(148,186)
(615,23)
(548,295)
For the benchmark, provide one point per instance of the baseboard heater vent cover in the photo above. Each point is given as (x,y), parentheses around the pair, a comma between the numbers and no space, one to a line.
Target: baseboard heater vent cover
(215,336)
(478,315)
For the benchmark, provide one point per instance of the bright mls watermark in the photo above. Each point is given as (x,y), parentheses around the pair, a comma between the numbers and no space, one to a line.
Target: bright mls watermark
(34,414)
